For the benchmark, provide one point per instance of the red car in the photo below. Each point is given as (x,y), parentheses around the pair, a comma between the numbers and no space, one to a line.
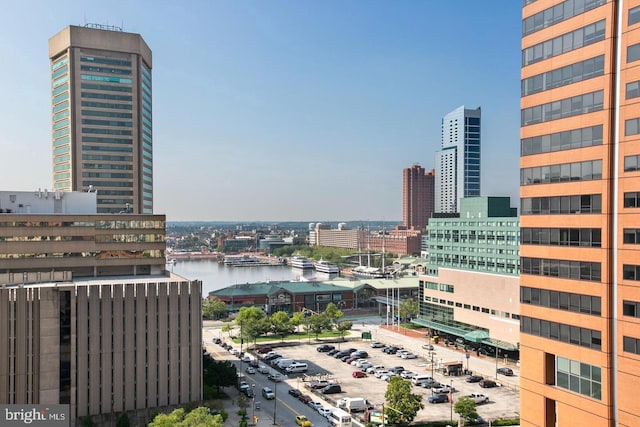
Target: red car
(263,350)
(304,398)
(358,374)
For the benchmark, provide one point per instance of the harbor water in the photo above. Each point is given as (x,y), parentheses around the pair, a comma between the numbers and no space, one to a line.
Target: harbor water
(215,275)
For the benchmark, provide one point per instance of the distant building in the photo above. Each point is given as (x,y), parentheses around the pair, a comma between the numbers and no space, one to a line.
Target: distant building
(102,126)
(89,316)
(471,283)
(418,197)
(458,161)
(398,241)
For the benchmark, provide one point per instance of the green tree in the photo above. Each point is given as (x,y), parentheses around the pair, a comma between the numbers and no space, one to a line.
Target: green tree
(404,403)
(333,313)
(213,308)
(219,374)
(281,324)
(87,421)
(249,319)
(343,327)
(227,328)
(199,417)
(409,309)
(318,323)
(297,319)
(466,408)
(123,420)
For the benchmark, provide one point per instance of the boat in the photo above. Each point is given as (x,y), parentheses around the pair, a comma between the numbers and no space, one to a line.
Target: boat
(323,266)
(298,261)
(171,261)
(364,272)
(242,261)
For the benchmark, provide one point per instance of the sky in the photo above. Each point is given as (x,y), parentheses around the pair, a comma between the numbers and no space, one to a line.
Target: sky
(284,110)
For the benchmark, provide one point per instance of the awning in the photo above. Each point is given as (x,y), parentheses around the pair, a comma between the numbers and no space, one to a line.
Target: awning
(503,345)
(476,336)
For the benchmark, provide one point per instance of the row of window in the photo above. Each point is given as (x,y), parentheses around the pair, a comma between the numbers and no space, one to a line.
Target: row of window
(122,254)
(100,224)
(566,140)
(576,204)
(631,236)
(443,287)
(485,310)
(632,199)
(581,37)
(107,166)
(106,123)
(93,77)
(568,107)
(127,141)
(96,86)
(587,237)
(587,69)
(579,377)
(631,272)
(631,345)
(106,70)
(579,171)
(98,95)
(107,158)
(569,334)
(111,238)
(106,61)
(107,131)
(106,175)
(94,113)
(557,13)
(631,308)
(561,268)
(59,63)
(111,184)
(106,105)
(108,148)
(566,301)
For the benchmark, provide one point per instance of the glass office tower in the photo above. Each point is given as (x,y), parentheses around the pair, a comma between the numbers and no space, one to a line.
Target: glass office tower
(458,160)
(102,131)
(580,224)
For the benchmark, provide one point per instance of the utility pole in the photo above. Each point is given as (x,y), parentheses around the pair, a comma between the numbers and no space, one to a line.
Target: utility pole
(275,401)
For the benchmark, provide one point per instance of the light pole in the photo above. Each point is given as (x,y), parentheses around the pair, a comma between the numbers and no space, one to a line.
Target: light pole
(496,363)
(275,401)
(451,399)
(253,416)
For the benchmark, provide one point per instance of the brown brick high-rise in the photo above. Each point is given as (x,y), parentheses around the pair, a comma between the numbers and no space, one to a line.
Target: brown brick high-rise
(417,197)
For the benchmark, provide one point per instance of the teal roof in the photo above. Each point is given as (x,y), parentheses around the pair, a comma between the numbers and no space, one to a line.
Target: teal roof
(339,285)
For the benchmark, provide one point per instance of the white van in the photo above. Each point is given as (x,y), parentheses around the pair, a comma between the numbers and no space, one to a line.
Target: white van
(284,363)
(297,367)
(419,379)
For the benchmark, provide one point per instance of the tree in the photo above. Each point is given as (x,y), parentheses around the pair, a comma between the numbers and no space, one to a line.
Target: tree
(281,324)
(199,417)
(297,319)
(333,313)
(213,308)
(227,328)
(249,319)
(404,404)
(409,309)
(343,327)
(318,323)
(219,373)
(466,408)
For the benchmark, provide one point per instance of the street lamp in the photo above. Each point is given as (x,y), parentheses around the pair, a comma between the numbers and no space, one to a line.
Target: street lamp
(275,401)
(451,399)
(253,395)
(497,363)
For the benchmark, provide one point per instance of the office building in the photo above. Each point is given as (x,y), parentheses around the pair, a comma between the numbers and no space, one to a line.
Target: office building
(418,197)
(102,130)
(458,160)
(579,188)
(470,286)
(89,316)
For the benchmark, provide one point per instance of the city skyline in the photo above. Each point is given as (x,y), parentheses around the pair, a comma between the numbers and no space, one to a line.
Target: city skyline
(282,111)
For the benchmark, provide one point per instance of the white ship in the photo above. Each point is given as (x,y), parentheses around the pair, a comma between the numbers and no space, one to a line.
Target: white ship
(298,261)
(323,266)
(364,272)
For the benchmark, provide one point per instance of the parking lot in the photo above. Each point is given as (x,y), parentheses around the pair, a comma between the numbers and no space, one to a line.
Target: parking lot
(503,401)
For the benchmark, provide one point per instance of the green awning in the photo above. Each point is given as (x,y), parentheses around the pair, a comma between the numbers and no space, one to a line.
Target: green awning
(476,336)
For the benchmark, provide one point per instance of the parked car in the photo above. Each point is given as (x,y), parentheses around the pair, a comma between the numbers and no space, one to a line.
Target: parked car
(263,369)
(388,376)
(407,374)
(396,369)
(438,398)
(234,351)
(332,389)
(505,371)
(332,352)
(272,356)
(427,346)
(358,374)
(275,377)
(376,344)
(474,379)
(399,353)
(250,370)
(304,398)
(373,369)
(365,366)
(446,388)
(316,385)
(409,356)
(429,384)
(360,354)
(264,350)
(303,421)
(248,392)
(487,383)
(324,348)
(380,373)
(357,362)
(295,392)
(315,404)
(268,394)
(324,412)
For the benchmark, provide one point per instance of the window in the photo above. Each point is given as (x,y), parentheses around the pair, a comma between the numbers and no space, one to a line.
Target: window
(587,237)
(632,200)
(632,126)
(631,308)
(633,53)
(631,345)
(581,171)
(634,16)
(569,334)
(558,13)
(565,269)
(631,272)
(566,301)
(581,204)
(587,69)
(565,140)
(579,377)
(631,163)
(568,107)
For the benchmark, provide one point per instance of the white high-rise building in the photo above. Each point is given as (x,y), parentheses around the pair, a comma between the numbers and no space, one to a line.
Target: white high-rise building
(458,161)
